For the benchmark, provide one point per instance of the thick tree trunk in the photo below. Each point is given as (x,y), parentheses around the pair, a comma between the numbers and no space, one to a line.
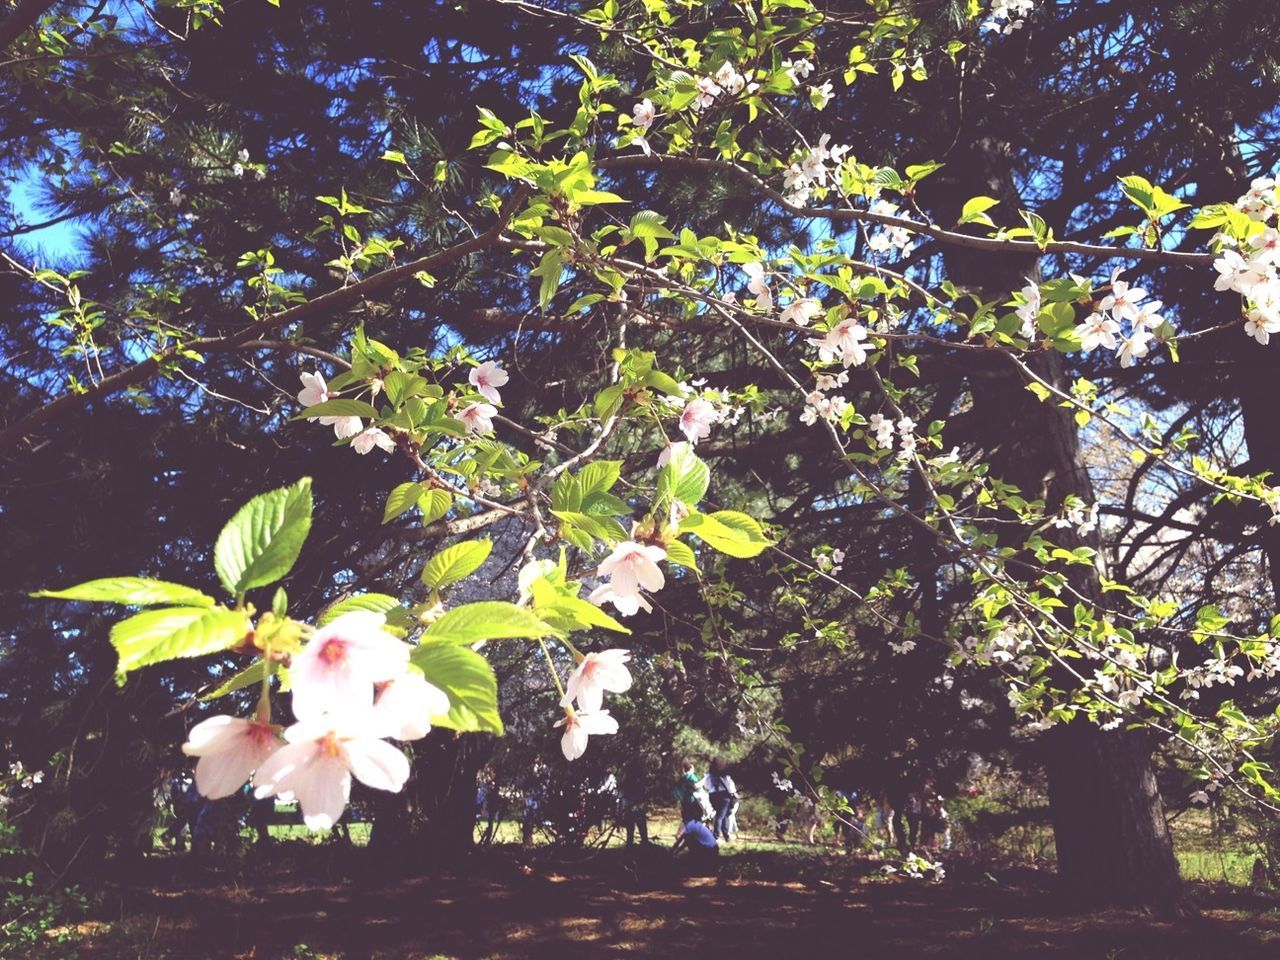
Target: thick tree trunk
(1112,841)
(432,820)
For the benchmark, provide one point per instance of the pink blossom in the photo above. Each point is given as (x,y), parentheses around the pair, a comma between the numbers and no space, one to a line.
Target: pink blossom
(846,341)
(487,378)
(405,705)
(630,567)
(230,749)
(643,114)
(319,759)
(314,390)
(370,438)
(801,312)
(339,666)
(1098,330)
(579,725)
(478,418)
(697,418)
(344,427)
(598,672)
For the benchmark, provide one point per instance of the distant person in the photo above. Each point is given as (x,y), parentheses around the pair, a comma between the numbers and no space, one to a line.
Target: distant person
(722,793)
(633,802)
(695,804)
(884,818)
(811,814)
(912,819)
(703,849)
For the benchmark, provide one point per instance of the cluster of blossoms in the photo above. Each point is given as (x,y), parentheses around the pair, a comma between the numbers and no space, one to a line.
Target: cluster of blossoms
(829,563)
(1102,328)
(882,429)
(812,170)
(1007,15)
(1005,646)
(1076,514)
(352,689)
(23,777)
(1250,270)
(726,80)
(889,238)
(1125,691)
(477,417)
(1215,671)
(631,568)
(595,674)
(700,413)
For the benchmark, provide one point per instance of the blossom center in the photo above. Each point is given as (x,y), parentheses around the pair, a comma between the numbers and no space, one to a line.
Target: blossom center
(333,652)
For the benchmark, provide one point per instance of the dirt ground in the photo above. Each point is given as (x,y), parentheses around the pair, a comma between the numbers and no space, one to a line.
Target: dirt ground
(308,903)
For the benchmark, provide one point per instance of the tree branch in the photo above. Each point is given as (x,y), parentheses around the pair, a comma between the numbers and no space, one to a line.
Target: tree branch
(334,300)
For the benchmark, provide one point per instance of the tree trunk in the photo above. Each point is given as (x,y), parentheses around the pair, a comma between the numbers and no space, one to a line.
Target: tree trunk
(432,821)
(1112,841)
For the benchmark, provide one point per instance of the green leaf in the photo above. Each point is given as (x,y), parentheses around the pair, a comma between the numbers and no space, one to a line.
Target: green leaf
(681,554)
(469,681)
(364,603)
(974,211)
(247,677)
(339,408)
(401,499)
(566,613)
(599,476)
(684,478)
(262,541)
(434,504)
(159,635)
(487,620)
(728,531)
(453,563)
(131,591)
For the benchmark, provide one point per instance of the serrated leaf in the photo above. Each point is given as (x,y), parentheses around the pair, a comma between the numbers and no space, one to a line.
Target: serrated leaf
(340,407)
(131,591)
(470,683)
(684,478)
(381,603)
(486,620)
(434,504)
(262,541)
(247,677)
(402,498)
(728,531)
(453,563)
(159,635)
(599,476)
(599,527)
(566,613)
(682,554)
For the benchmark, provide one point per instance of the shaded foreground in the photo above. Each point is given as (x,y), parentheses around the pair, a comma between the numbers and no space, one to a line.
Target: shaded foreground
(513,903)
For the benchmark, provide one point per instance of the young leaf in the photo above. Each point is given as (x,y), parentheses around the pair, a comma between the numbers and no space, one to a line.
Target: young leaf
(487,620)
(363,603)
(262,541)
(339,408)
(453,563)
(728,531)
(159,635)
(131,591)
(684,478)
(247,677)
(401,499)
(470,683)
